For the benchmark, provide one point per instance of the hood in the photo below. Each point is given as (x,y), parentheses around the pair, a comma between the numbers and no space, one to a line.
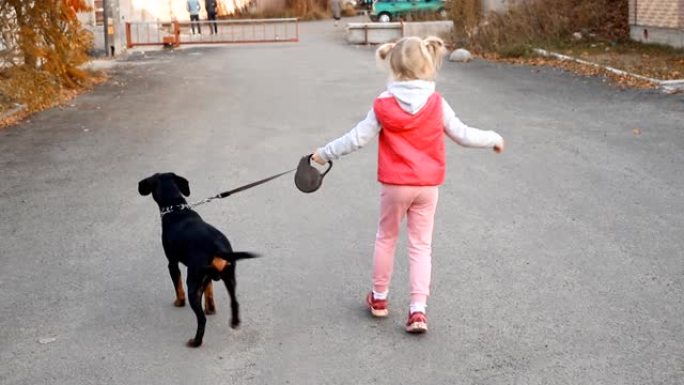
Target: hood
(411,95)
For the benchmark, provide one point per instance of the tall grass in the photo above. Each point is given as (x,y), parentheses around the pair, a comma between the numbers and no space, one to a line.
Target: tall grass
(529,23)
(466,15)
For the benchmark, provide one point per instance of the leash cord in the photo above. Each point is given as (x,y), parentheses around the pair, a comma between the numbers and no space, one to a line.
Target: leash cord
(241,188)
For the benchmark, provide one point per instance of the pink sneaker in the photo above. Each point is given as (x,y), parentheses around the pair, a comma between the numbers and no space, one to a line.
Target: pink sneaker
(417,323)
(378,307)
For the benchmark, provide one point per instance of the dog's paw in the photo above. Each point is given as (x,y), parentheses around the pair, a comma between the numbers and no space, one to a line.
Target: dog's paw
(235,323)
(193,344)
(179,302)
(209,310)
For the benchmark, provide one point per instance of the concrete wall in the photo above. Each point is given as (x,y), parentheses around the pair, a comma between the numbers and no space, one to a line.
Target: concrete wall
(667,36)
(373,33)
(88,20)
(379,33)
(424,29)
(657,21)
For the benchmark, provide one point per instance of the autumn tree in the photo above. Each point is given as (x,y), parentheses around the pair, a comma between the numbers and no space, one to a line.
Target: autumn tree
(43,43)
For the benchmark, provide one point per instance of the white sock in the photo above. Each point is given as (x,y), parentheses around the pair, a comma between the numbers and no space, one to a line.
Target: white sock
(417,307)
(380,296)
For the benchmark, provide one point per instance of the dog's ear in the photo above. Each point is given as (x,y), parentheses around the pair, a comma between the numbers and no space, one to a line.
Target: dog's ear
(145,186)
(183,184)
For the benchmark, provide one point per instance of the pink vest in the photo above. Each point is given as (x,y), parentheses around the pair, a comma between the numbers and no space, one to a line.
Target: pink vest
(411,147)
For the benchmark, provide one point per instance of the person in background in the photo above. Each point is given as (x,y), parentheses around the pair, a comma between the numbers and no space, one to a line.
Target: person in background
(193,7)
(336,9)
(211,7)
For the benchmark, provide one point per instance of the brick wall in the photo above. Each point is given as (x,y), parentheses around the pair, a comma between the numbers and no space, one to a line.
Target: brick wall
(657,13)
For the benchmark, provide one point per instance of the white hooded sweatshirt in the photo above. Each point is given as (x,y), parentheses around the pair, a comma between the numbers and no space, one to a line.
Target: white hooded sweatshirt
(411,96)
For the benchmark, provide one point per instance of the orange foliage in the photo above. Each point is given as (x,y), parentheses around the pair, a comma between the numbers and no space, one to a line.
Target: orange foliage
(72,7)
(52,45)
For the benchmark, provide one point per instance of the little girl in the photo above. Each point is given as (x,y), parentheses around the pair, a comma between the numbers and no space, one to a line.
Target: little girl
(411,119)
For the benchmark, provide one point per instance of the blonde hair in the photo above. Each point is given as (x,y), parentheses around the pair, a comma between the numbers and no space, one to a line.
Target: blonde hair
(412,58)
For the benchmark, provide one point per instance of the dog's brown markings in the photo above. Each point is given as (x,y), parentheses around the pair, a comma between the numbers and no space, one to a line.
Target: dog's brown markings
(180,294)
(209,306)
(219,264)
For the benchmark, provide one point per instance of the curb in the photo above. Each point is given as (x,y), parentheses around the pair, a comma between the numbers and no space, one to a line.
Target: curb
(668,86)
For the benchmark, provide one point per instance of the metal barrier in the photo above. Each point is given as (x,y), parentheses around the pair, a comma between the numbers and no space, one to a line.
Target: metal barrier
(175,33)
(147,33)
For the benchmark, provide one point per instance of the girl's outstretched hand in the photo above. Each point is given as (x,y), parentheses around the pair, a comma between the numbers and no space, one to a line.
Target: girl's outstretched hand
(499,148)
(317,158)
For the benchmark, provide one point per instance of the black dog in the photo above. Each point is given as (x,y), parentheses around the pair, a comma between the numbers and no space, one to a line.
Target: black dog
(198,245)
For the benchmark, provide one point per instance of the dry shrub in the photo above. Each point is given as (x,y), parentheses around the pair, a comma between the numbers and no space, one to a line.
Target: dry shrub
(422,16)
(537,22)
(309,9)
(466,15)
(36,89)
(302,9)
(348,10)
(316,14)
(268,13)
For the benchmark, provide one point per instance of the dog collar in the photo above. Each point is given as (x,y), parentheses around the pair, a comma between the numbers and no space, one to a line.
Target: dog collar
(169,209)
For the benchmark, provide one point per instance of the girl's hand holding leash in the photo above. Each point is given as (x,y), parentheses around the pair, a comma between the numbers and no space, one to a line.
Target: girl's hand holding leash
(499,148)
(317,158)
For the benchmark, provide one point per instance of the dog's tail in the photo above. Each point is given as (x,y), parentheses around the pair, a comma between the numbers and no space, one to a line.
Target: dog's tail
(242,255)
(220,262)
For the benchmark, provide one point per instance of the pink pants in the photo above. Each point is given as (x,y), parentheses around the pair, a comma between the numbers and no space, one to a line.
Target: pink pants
(418,204)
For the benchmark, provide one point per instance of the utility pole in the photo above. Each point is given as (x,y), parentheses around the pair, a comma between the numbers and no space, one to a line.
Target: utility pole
(105,16)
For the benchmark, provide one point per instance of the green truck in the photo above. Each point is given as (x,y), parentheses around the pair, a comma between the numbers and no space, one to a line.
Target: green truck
(390,10)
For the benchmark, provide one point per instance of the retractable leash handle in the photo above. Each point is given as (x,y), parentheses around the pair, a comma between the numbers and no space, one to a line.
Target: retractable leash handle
(307,178)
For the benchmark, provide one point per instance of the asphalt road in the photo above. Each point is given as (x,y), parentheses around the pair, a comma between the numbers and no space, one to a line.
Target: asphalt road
(558,262)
